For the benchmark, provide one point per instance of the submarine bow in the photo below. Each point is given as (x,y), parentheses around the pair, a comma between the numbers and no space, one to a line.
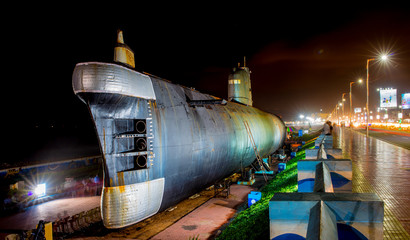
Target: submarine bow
(162,142)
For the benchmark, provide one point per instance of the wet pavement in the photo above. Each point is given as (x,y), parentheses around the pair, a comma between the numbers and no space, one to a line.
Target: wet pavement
(382,168)
(48,211)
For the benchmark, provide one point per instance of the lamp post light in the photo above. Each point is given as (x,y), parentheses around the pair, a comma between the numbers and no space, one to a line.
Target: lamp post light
(350,96)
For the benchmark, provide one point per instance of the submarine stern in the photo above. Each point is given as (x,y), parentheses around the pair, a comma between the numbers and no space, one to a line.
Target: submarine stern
(120,102)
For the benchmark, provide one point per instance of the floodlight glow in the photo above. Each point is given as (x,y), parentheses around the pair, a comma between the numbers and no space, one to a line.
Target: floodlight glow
(384,57)
(40,190)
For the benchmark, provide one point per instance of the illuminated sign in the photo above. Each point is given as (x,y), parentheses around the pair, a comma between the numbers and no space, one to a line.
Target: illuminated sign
(357,110)
(405,101)
(388,97)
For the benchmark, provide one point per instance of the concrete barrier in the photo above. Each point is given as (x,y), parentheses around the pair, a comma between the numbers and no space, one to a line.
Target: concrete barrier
(334,153)
(325,207)
(311,153)
(340,171)
(323,182)
(300,215)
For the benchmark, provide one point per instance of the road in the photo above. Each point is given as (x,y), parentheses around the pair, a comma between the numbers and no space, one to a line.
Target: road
(382,168)
(401,139)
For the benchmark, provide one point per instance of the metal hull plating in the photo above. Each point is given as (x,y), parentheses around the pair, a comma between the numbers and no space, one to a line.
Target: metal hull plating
(191,139)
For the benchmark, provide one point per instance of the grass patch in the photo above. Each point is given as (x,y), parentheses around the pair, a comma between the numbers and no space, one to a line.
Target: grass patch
(253,223)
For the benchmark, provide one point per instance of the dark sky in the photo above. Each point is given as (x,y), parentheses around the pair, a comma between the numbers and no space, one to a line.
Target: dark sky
(301,59)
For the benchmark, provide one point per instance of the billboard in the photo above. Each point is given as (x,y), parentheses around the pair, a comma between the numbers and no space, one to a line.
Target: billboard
(357,110)
(388,97)
(405,100)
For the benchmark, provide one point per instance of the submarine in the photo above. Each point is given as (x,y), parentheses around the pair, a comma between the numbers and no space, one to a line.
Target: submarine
(162,142)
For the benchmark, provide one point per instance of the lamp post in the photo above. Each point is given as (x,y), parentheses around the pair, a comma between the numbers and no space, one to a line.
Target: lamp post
(350,96)
(343,106)
(339,118)
(337,114)
(384,57)
(367,96)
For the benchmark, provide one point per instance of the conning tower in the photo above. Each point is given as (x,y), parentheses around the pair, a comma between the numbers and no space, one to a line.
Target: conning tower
(239,85)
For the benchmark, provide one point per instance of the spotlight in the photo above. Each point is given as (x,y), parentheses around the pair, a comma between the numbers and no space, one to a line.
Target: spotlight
(40,190)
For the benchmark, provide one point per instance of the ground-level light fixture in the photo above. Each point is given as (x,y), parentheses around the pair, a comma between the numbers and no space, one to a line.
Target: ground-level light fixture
(40,190)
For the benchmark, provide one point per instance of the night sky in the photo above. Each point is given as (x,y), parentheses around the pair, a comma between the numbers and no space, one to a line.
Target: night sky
(302,59)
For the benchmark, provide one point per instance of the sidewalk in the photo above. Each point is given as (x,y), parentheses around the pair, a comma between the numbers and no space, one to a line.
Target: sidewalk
(382,168)
(204,221)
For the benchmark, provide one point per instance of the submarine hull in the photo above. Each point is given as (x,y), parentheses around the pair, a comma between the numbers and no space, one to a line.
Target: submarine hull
(162,142)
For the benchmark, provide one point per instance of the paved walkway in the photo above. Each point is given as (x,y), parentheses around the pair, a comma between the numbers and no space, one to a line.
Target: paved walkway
(382,168)
(203,222)
(48,211)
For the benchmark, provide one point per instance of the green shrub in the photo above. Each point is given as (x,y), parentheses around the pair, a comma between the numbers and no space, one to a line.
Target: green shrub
(253,223)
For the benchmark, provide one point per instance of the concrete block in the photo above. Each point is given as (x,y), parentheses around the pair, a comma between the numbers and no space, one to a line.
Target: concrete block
(323,182)
(327,144)
(311,153)
(322,153)
(289,217)
(328,139)
(322,223)
(354,214)
(340,174)
(335,152)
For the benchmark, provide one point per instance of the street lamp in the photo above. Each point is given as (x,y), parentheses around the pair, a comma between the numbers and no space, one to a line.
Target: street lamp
(343,105)
(383,58)
(339,121)
(350,96)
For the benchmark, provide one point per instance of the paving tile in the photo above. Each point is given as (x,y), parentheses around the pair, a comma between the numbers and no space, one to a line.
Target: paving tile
(382,168)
